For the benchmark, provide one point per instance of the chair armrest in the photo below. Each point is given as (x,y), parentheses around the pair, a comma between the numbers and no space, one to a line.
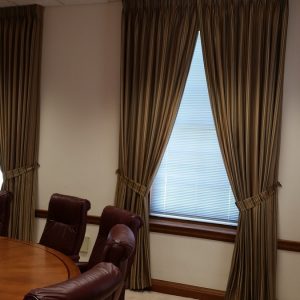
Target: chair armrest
(100,282)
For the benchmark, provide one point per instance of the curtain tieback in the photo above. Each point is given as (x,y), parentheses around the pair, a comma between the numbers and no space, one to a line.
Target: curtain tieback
(140,189)
(254,201)
(19,171)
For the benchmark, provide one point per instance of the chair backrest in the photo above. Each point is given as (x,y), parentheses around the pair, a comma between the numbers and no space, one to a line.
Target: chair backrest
(5,200)
(100,282)
(110,217)
(66,224)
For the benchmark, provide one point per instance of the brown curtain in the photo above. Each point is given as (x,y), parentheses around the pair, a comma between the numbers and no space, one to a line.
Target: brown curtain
(20,53)
(244,47)
(158,40)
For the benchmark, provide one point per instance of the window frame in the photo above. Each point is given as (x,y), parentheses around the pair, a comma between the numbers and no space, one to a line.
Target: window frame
(197,229)
(162,221)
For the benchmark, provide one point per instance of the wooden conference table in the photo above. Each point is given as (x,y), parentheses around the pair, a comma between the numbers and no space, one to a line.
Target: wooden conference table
(24,266)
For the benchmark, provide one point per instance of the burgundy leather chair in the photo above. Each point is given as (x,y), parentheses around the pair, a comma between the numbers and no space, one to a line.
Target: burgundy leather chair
(111,216)
(5,200)
(101,282)
(66,224)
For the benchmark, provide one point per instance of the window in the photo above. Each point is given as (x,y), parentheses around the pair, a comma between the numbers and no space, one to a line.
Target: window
(192,182)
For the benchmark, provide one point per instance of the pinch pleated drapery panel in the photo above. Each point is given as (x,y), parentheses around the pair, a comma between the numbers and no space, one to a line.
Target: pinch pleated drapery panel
(20,55)
(158,40)
(244,49)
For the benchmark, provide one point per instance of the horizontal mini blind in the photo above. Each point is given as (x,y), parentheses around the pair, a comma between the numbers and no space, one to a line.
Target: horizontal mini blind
(191,182)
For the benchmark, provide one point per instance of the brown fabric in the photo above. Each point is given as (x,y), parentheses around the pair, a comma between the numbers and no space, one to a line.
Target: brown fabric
(135,186)
(17,172)
(255,200)
(244,46)
(20,48)
(158,40)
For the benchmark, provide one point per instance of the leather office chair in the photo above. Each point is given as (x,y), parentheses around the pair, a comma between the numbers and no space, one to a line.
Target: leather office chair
(101,282)
(5,200)
(104,281)
(66,224)
(110,217)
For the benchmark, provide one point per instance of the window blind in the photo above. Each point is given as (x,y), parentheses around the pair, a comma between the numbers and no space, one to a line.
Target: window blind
(191,182)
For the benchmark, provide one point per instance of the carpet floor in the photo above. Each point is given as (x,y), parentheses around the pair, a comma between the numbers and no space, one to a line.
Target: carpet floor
(130,295)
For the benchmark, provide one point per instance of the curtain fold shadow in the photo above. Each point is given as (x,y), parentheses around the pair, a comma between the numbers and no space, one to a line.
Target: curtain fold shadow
(20,56)
(158,40)
(244,49)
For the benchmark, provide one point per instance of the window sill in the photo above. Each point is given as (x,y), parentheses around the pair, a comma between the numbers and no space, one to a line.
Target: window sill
(209,231)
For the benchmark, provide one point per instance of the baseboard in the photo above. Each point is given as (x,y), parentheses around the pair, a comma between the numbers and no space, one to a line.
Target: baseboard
(184,290)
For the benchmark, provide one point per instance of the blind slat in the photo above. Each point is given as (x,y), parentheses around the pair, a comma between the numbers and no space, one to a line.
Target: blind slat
(192,181)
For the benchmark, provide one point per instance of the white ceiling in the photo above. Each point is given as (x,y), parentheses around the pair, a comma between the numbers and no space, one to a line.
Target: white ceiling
(5,3)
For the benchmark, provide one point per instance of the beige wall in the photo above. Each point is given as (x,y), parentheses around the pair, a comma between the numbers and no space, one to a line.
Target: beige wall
(289,172)
(79,141)
(80,103)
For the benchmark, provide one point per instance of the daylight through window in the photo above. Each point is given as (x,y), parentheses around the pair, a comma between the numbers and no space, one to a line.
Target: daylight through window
(192,182)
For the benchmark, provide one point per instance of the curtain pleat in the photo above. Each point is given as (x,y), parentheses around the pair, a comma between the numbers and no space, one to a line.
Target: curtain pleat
(158,40)
(20,55)
(244,48)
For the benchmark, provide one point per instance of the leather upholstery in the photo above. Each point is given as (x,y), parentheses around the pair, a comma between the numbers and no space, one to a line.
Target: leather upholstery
(119,246)
(99,283)
(5,200)
(110,217)
(66,224)
(109,229)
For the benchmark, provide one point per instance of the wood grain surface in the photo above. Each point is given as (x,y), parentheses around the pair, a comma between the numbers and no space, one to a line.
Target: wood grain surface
(24,266)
